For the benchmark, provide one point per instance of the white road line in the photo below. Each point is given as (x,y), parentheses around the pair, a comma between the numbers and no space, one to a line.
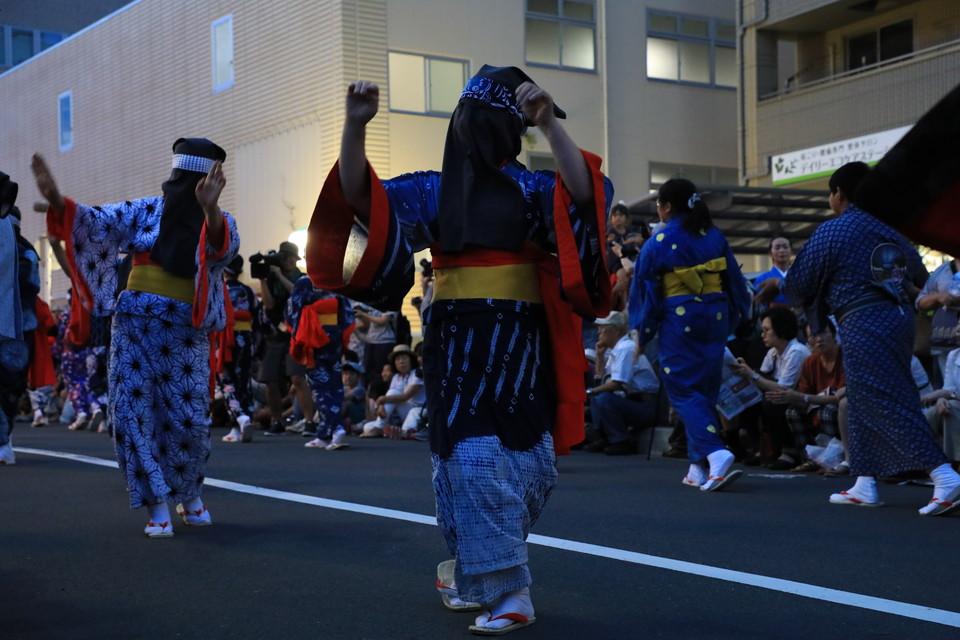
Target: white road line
(791,587)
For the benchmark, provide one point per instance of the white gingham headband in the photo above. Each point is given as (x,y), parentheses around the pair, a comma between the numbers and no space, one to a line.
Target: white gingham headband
(197,164)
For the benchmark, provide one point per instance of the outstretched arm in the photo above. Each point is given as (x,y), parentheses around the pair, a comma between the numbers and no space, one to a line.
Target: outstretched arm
(363,100)
(46,184)
(537,106)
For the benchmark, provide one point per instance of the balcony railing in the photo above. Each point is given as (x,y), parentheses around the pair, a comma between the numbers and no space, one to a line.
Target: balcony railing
(910,58)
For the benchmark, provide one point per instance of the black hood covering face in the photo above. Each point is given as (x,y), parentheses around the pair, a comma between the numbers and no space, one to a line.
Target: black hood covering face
(8,193)
(182,217)
(479,204)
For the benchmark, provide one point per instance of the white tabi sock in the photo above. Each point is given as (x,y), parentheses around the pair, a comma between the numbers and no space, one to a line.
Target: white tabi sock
(720,462)
(696,475)
(159,513)
(865,488)
(946,483)
(514,602)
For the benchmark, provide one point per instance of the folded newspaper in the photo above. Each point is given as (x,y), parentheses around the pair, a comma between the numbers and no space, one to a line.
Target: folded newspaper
(736,392)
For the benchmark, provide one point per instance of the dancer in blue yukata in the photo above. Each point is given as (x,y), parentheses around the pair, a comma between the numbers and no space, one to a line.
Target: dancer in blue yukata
(868,276)
(235,352)
(502,359)
(320,323)
(688,288)
(159,371)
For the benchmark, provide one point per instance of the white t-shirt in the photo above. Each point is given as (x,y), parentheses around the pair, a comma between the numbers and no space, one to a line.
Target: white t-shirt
(380,333)
(399,384)
(920,377)
(634,372)
(951,373)
(786,367)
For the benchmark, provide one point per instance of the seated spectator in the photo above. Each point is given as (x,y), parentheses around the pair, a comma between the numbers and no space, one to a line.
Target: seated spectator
(628,394)
(812,406)
(943,407)
(781,255)
(378,387)
(354,396)
(404,400)
(780,370)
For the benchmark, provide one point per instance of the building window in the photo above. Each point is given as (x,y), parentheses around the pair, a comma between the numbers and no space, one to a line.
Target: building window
(541,162)
(425,84)
(691,49)
(221,37)
(562,33)
(660,172)
(21,48)
(889,42)
(48,39)
(65,120)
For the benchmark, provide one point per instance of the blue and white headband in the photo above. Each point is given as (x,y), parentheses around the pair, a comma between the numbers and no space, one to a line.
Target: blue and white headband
(197,164)
(493,94)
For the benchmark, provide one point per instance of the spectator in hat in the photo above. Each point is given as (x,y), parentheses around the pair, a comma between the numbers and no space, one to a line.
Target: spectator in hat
(402,403)
(628,394)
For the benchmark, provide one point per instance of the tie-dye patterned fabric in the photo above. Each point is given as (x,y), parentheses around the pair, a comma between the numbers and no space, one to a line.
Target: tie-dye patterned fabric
(486,527)
(326,383)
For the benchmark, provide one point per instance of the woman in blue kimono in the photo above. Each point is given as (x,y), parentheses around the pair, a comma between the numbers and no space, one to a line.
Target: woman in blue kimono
(688,287)
(502,360)
(867,275)
(319,322)
(159,371)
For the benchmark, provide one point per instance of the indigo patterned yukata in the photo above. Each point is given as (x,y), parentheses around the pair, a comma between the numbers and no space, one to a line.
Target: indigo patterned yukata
(857,266)
(159,371)
(688,287)
(488,360)
(319,322)
(236,373)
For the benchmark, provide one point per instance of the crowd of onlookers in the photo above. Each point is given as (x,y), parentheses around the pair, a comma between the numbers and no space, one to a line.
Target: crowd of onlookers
(789,378)
(787,381)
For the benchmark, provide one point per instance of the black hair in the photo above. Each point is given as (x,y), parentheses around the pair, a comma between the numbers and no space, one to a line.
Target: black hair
(351,356)
(848,177)
(620,208)
(678,191)
(770,244)
(783,321)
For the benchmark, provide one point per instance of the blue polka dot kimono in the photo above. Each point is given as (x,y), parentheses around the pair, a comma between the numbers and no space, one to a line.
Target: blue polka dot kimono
(159,371)
(852,261)
(693,329)
(326,383)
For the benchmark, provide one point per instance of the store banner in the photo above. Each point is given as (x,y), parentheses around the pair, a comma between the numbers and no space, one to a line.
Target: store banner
(822,161)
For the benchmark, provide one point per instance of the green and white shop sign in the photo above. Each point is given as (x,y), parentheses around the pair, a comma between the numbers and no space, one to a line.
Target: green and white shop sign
(822,161)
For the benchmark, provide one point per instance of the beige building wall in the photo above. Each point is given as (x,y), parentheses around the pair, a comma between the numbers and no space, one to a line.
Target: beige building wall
(143,78)
(831,105)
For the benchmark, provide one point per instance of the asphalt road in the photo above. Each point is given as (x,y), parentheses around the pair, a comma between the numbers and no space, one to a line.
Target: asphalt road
(76,565)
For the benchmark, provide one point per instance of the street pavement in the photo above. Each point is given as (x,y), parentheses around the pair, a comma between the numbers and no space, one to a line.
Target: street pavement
(76,565)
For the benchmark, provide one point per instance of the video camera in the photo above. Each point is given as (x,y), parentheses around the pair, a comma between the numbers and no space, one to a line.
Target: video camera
(260,264)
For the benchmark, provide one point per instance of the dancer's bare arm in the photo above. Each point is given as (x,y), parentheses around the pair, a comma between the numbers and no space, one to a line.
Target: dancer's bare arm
(363,100)
(537,105)
(46,184)
(208,193)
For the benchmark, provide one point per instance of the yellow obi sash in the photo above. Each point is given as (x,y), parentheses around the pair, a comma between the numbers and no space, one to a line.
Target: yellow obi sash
(501,282)
(243,325)
(151,278)
(696,280)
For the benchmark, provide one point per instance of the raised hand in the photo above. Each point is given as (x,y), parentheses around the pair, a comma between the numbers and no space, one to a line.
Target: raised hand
(46,183)
(209,188)
(363,100)
(536,104)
